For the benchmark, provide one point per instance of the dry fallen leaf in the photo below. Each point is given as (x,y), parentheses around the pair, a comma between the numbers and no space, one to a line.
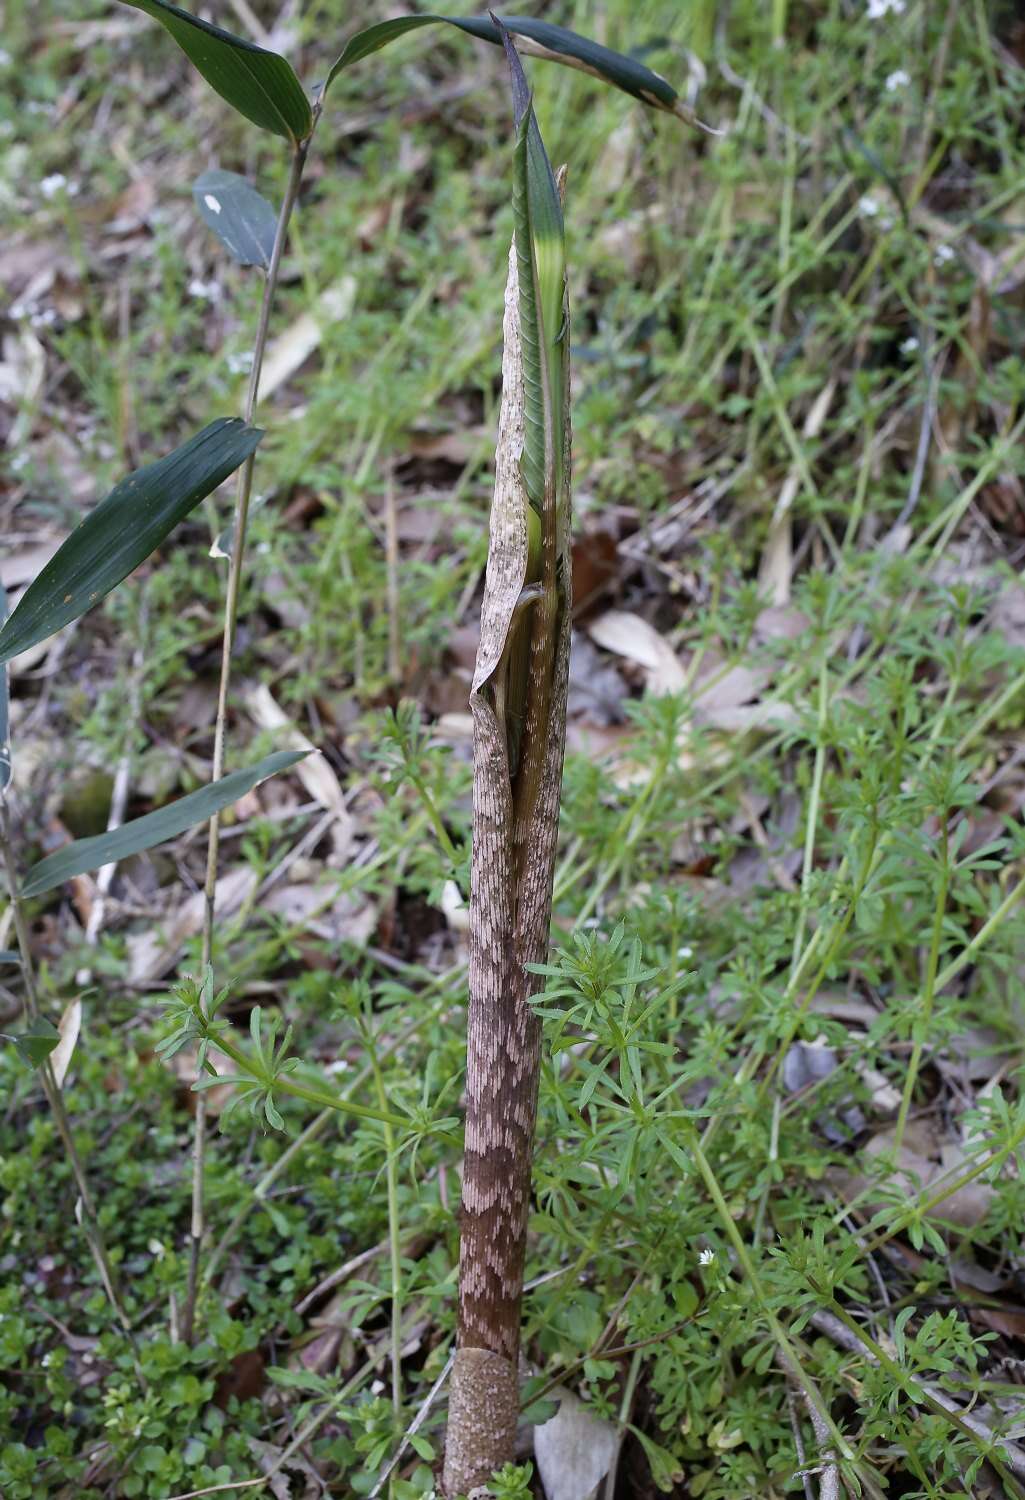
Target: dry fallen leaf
(151,954)
(314,772)
(69,1025)
(631,636)
(574,1451)
(293,348)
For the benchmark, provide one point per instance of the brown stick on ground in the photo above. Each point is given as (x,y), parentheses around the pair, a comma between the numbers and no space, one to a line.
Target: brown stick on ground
(510,915)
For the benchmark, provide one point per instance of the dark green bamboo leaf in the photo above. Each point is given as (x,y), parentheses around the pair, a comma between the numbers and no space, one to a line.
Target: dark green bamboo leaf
(155,828)
(5,726)
(124,529)
(261,85)
(541,38)
(239,216)
(541,267)
(35,1044)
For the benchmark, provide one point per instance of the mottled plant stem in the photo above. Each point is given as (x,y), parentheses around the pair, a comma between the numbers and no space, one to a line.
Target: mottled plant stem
(242,496)
(511,877)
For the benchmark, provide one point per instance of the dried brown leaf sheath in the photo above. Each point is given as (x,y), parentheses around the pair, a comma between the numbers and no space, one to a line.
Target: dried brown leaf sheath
(510,915)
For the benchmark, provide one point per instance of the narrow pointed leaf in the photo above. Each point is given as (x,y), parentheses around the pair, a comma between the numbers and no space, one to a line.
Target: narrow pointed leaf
(541,38)
(239,216)
(261,85)
(124,529)
(35,1044)
(155,828)
(541,257)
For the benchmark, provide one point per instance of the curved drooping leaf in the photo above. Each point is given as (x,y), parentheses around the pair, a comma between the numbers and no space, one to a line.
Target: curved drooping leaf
(239,216)
(35,1043)
(124,529)
(541,38)
(155,827)
(261,85)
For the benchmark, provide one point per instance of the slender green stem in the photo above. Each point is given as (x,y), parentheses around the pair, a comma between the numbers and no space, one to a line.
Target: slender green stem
(394,1241)
(922,1021)
(242,497)
(55,1098)
(783,1342)
(813,809)
(431,809)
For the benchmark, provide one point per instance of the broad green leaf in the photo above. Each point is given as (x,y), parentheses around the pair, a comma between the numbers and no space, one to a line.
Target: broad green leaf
(261,85)
(239,216)
(538,37)
(124,529)
(155,828)
(5,696)
(35,1044)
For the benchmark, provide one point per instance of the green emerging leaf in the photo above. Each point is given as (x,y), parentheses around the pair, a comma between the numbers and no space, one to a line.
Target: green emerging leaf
(541,265)
(241,218)
(541,37)
(124,529)
(261,85)
(35,1044)
(155,828)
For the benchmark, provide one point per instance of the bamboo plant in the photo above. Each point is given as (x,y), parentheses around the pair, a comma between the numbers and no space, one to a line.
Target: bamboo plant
(518,703)
(518,696)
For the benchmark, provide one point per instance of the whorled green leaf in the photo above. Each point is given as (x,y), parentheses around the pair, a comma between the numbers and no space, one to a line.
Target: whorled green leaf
(155,827)
(239,216)
(261,85)
(124,529)
(542,38)
(36,1043)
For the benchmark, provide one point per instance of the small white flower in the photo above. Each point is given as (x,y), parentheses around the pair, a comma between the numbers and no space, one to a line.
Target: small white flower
(206,291)
(377,1386)
(943,255)
(19,310)
(868,206)
(45,318)
(241,363)
(899,79)
(212,203)
(52,185)
(156,1247)
(685,952)
(706,1258)
(5,58)
(877,9)
(909,345)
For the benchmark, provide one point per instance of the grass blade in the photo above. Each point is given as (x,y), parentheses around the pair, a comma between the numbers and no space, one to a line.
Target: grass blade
(124,529)
(541,38)
(261,85)
(239,216)
(155,827)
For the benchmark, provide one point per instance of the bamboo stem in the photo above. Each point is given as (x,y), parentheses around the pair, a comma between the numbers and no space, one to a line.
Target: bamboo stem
(242,497)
